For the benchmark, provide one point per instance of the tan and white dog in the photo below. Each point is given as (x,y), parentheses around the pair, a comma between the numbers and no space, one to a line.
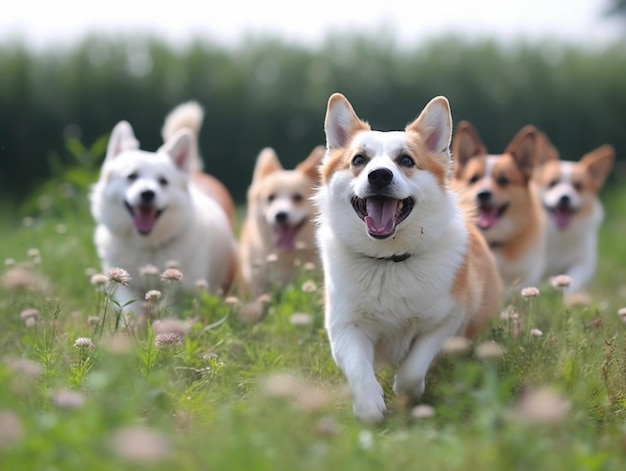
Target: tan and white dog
(190,115)
(508,210)
(279,221)
(148,213)
(404,266)
(569,194)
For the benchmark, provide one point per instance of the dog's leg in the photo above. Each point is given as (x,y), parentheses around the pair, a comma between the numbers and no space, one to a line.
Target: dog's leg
(353,352)
(412,372)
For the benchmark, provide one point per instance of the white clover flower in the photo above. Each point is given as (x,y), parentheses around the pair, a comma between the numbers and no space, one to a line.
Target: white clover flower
(118,275)
(530,292)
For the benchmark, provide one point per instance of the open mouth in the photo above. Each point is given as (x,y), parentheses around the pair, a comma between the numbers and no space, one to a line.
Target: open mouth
(562,215)
(382,214)
(489,215)
(285,235)
(144,217)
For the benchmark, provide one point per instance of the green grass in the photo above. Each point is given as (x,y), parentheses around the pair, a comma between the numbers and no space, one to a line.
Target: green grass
(219,399)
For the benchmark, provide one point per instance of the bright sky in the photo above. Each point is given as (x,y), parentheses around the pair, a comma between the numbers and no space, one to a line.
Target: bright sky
(43,22)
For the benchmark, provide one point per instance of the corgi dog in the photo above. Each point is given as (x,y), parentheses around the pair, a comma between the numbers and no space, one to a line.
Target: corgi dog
(148,213)
(569,195)
(508,211)
(190,115)
(277,233)
(404,266)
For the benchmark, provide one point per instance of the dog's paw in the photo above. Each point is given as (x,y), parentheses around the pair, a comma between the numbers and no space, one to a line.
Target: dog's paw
(414,387)
(370,408)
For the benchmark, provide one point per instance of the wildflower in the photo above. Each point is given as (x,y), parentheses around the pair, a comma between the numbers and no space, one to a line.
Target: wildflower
(172,274)
(34,253)
(326,427)
(297,262)
(301,245)
(301,318)
(29,313)
(536,333)
(153,295)
(202,284)
(271,258)
(560,281)
(84,342)
(9,262)
(93,320)
(621,312)
(309,266)
(167,339)
(231,300)
(423,411)
(24,367)
(176,326)
(487,350)
(149,270)
(366,439)
(66,399)
(542,405)
(99,279)
(509,314)
(264,298)
(11,429)
(456,345)
(22,277)
(140,444)
(578,300)
(118,275)
(309,286)
(530,292)
(251,312)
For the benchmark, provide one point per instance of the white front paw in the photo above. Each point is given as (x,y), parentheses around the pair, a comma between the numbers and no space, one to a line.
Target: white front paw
(414,387)
(370,408)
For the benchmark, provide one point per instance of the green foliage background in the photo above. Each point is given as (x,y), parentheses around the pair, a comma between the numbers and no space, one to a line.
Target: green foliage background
(267,92)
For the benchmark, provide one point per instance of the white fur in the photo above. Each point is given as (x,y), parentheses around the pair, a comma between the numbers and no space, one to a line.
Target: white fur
(192,230)
(380,311)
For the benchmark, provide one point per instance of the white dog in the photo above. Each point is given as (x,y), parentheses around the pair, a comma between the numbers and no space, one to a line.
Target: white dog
(404,266)
(147,213)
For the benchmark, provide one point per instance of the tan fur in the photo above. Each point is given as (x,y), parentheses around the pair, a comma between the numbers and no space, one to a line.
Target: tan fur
(257,243)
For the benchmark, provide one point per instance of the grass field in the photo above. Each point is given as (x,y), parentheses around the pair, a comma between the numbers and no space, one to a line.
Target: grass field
(232,393)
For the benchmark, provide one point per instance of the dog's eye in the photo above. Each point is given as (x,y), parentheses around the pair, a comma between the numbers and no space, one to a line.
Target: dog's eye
(406,161)
(502,180)
(132,177)
(474,178)
(297,198)
(358,160)
(271,197)
(578,186)
(163,181)
(553,183)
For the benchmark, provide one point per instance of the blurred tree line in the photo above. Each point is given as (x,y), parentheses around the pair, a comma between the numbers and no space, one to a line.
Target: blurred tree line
(58,105)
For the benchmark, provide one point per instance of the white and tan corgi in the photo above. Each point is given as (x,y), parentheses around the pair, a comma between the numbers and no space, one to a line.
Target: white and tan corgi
(508,210)
(569,194)
(148,213)
(404,266)
(190,115)
(277,234)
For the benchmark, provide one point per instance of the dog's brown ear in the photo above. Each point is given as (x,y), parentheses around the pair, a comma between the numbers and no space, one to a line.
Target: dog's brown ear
(524,149)
(267,162)
(466,144)
(310,165)
(341,122)
(122,139)
(599,163)
(547,151)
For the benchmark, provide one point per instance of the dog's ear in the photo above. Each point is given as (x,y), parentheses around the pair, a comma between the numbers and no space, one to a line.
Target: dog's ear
(310,166)
(122,139)
(599,163)
(524,148)
(341,122)
(547,151)
(434,125)
(180,147)
(267,162)
(466,144)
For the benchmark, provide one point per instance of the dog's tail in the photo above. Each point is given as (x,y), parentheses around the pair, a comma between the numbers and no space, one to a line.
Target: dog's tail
(186,115)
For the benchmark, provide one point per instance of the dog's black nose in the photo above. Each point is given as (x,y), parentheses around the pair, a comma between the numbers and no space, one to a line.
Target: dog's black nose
(483,196)
(282,216)
(147,196)
(565,200)
(380,178)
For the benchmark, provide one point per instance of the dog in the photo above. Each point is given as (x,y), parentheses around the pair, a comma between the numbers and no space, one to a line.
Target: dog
(508,210)
(277,234)
(190,115)
(569,195)
(404,266)
(147,213)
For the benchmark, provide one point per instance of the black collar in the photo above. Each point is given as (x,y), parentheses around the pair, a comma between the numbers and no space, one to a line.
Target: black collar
(393,258)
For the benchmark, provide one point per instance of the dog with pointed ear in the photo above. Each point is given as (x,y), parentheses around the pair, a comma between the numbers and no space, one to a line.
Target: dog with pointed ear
(404,266)
(570,196)
(277,235)
(147,213)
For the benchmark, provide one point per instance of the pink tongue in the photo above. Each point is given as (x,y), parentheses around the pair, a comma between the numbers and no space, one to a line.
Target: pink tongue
(144,218)
(284,237)
(487,218)
(381,215)
(562,218)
